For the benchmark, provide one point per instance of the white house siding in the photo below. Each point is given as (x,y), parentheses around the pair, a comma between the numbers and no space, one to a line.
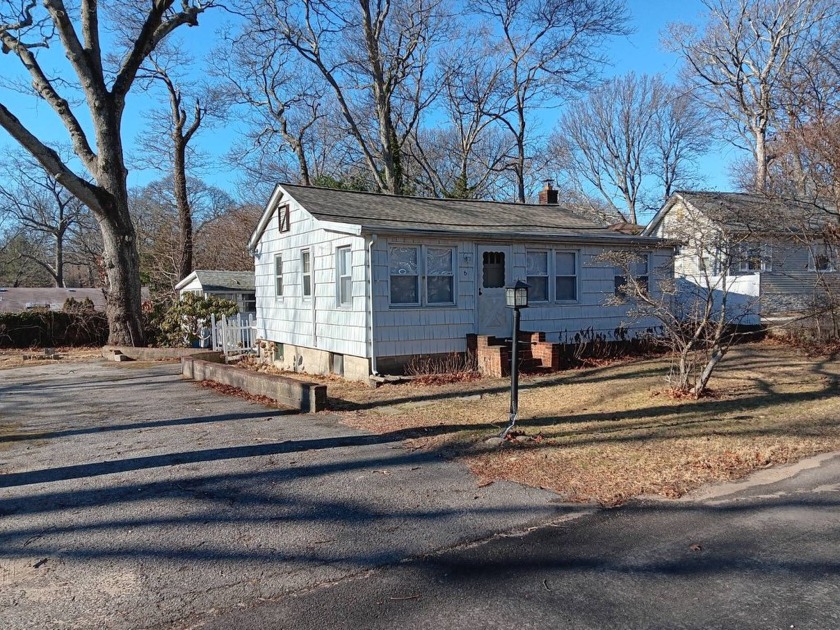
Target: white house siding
(289,319)
(590,316)
(409,330)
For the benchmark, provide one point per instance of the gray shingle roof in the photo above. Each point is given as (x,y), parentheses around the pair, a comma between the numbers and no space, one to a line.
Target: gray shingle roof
(229,281)
(757,212)
(19,299)
(378,212)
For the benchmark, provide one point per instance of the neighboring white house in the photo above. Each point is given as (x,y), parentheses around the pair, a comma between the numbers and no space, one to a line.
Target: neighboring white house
(358,283)
(770,256)
(236,286)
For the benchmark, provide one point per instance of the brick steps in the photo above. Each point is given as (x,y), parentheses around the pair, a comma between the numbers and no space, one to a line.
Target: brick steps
(493,353)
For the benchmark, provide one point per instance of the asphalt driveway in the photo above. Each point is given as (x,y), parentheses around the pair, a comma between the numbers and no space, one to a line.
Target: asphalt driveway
(131,498)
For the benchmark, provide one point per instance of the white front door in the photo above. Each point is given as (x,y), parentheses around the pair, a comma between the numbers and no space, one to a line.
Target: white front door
(494,267)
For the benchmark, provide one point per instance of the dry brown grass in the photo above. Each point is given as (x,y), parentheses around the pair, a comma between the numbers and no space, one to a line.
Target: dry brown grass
(610,433)
(13,358)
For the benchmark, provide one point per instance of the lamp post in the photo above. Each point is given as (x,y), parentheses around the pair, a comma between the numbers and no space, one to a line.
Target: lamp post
(516,297)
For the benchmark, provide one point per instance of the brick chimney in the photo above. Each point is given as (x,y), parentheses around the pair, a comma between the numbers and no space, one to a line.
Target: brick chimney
(548,196)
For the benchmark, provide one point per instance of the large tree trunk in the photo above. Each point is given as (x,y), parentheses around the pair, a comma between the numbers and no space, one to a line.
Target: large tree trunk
(59,259)
(185,224)
(760,160)
(122,271)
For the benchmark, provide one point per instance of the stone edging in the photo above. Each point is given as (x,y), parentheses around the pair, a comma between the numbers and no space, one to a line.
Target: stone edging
(302,395)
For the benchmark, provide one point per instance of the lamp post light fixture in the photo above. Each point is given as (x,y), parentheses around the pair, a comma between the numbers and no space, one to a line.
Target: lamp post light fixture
(516,297)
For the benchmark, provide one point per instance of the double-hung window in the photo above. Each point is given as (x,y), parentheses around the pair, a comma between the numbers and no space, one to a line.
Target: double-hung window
(565,276)
(754,257)
(536,275)
(440,275)
(306,273)
(278,275)
(344,265)
(422,275)
(821,258)
(640,272)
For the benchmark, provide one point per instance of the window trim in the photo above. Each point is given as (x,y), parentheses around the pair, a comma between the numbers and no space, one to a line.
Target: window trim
(576,254)
(549,254)
(646,256)
(765,259)
(278,286)
(422,277)
(283,218)
(821,249)
(339,276)
(425,274)
(305,252)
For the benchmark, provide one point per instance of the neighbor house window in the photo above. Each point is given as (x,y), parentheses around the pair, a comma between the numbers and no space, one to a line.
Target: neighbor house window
(278,275)
(306,272)
(440,275)
(536,272)
(754,257)
(639,269)
(821,258)
(405,275)
(344,258)
(565,276)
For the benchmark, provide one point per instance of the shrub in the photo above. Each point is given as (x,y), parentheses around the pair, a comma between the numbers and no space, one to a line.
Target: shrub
(47,328)
(183,322)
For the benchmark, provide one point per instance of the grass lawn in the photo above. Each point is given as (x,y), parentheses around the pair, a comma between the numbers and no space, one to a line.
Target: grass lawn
(610,433)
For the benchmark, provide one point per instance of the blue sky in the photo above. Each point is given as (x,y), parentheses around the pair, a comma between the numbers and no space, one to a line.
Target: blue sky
(640,52)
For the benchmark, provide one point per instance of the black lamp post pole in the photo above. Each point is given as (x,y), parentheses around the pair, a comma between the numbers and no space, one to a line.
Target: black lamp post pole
(514,373)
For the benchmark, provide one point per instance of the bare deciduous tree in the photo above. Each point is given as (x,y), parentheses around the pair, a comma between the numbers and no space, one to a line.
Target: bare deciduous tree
(623,135)
(741,60)
(25,32)
(547,48)
(374,58)
(39,205)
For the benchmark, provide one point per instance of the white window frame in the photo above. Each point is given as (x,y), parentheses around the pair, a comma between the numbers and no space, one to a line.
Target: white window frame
(343,301)
(619,273)
(821,249)
(305,253)
(576,254)
(765,262)
(425,274)
(422,277)
(278,276)
(549,255)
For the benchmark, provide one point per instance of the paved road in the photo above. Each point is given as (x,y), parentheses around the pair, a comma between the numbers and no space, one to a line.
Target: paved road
(130,498)
(764,554)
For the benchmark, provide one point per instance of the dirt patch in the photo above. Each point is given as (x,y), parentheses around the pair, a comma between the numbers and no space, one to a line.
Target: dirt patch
(610,433)
(13,358)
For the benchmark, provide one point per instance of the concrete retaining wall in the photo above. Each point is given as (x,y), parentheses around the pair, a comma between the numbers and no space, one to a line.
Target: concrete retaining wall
(159,354)
(308,397)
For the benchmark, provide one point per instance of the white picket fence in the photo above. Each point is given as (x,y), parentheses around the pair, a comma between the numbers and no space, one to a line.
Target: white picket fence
(234,335)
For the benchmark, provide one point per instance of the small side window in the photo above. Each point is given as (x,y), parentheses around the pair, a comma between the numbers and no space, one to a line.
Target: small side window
(278,275)
(344,260)
(306,273)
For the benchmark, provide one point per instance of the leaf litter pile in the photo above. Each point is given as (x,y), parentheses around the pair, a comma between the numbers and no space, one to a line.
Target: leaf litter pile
(613,432)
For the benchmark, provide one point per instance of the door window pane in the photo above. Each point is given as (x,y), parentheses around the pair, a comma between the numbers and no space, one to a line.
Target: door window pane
(493,270)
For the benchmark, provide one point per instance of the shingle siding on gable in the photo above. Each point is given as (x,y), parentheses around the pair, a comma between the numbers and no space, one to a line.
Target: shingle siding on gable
(290,319)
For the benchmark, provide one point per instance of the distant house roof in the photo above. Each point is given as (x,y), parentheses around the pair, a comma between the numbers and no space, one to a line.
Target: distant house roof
(18,299)
(749,211)
(213,281)
(373,212)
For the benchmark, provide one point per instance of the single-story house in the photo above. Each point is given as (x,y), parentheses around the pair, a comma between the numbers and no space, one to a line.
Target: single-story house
(236,286)
(359,283)
(20,299)
(773,257)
